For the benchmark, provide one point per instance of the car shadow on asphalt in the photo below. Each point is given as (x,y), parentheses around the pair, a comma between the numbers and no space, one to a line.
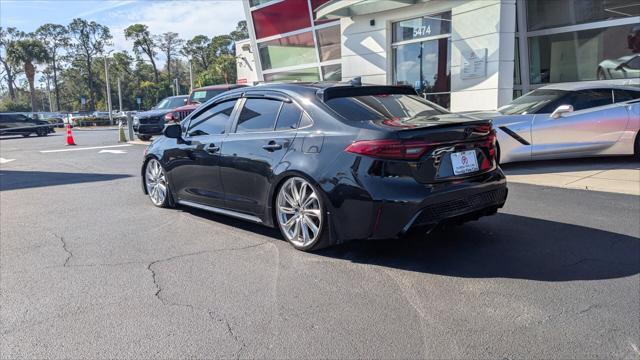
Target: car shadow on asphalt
(499,246)
(505,246)
(570,165)
(14,179)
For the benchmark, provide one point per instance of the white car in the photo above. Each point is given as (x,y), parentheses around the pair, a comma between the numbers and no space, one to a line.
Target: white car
(569,120)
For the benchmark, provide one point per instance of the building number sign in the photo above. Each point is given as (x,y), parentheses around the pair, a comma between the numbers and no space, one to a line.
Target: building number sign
(421,31)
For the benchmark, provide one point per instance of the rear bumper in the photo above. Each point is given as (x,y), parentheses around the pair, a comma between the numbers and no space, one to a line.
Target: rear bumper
(402,206)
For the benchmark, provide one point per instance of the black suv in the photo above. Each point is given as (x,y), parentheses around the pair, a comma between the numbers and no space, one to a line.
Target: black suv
(149,123)
(20,124)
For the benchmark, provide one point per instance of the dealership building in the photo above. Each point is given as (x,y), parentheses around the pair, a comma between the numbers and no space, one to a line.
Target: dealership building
(464,55)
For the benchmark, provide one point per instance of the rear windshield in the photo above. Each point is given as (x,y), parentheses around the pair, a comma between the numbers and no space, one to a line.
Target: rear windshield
(382,107)
(170,103)
(202,96)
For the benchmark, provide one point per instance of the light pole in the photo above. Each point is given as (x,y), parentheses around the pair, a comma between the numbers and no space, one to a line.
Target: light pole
(177,86)
(190,78)
(106,76)
(49,94)
(119,95)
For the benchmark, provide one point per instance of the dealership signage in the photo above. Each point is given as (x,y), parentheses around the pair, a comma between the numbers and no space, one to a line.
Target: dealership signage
(474,64)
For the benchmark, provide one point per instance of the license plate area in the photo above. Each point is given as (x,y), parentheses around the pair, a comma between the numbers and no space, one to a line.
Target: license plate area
(464,162)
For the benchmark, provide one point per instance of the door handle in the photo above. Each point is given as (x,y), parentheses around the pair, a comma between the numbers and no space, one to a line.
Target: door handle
(272,146)
(212,149)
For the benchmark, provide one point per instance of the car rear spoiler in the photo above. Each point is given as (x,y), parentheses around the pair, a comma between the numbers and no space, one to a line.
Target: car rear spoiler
(333,92)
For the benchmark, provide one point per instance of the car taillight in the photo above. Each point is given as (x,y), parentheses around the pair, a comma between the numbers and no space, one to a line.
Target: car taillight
(491,143)
(390,149)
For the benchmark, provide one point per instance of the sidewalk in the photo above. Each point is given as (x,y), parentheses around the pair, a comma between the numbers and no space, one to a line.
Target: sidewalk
(617,175)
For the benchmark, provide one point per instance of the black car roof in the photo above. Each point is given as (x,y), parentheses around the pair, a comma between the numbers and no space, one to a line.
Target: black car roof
(326,90)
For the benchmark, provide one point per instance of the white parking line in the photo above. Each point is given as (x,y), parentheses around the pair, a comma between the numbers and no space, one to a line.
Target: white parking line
(4,161)
(112,151)
(85,148)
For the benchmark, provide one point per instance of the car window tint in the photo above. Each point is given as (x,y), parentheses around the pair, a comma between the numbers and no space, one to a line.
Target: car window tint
(212,121)
(586,99)
(289,117)
(381,107)
(258,115)
(305,121)
(625,95)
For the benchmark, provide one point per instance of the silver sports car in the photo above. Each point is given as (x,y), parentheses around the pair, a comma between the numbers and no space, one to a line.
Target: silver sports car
(569,120)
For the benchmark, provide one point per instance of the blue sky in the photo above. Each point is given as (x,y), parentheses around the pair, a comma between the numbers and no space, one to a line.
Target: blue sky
(188,18)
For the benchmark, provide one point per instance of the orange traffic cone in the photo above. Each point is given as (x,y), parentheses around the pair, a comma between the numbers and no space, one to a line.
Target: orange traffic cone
(69,136)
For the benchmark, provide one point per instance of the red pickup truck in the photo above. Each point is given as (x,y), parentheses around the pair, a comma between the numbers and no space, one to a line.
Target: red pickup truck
(198,96)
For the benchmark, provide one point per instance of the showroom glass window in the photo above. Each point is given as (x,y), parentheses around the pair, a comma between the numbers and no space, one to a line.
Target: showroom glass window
(421,56)
(544,14)
(594,54)
(287,51)
(292,44)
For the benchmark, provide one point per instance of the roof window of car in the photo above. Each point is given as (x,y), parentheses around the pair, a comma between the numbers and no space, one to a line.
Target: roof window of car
(381,107)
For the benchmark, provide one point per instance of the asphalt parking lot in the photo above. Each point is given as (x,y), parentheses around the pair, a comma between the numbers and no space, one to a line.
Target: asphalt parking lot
(89,268)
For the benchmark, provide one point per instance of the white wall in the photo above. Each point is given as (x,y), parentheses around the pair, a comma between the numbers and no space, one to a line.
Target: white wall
(476,24)
(245,63)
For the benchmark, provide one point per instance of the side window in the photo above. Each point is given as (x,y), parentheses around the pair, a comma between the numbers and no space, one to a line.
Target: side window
(625,95)
(213,121)
(634,63)
(289,117)
(258,115)
(587,99)
(305,121)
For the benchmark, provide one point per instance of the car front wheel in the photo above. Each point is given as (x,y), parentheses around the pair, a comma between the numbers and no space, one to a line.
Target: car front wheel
(300,214)
(144,137)
(156,184)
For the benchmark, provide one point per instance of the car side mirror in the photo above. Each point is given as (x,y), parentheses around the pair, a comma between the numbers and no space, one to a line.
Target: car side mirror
(173,131)
(561,110)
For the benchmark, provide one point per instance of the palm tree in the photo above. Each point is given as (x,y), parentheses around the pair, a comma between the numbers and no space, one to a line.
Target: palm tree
(28,52)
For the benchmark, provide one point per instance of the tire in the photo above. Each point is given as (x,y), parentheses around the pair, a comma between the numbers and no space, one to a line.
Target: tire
(156,184)
(144,137)
(300,214)
(26,135)
(41,132)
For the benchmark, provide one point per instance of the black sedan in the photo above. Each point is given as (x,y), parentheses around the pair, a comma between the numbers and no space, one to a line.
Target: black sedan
(149,123)
(328,163)
(20,124)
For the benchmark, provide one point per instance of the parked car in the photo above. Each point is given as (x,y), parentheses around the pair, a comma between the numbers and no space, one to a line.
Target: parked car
(55,119)
(20,124)
(150,123)
(76,118)
(626,67)
(198,96)
(326,163)
(569,120)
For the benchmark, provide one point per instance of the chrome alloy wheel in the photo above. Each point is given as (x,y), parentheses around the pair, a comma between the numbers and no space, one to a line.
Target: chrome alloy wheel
(299,212)
(156,182)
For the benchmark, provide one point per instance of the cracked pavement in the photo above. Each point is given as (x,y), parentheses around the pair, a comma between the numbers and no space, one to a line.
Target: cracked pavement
(90,269)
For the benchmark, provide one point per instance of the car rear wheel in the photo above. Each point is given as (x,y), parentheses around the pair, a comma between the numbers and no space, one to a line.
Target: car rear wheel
(156,184)
(300,214)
